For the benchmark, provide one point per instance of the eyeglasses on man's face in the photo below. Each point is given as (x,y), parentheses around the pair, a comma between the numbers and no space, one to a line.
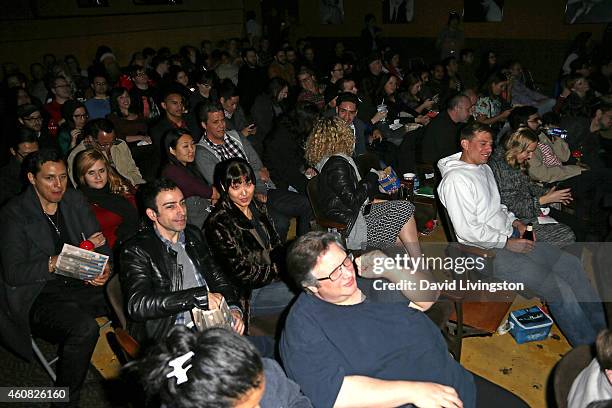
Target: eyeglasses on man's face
(33,119)
(337,272)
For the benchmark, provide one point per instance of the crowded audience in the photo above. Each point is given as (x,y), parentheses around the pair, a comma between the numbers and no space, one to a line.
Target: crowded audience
(194,169)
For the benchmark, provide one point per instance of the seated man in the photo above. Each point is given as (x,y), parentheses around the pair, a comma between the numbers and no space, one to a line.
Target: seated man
(100,134)
(522,95)
(345,348)
(594,383)
(59,309)
(219,144)
(167,269)
(469,192)
(441,137)
(24,143)
(30,117)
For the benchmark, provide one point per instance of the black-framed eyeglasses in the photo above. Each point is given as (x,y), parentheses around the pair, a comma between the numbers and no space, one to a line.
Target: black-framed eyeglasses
(83,116)
(34,119)
(337,272)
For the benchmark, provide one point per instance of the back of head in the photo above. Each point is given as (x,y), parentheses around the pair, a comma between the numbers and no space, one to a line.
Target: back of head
(23,135)
(329,136)
(223,368)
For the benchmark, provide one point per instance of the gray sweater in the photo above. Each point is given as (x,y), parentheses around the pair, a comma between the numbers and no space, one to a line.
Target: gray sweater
(206,159)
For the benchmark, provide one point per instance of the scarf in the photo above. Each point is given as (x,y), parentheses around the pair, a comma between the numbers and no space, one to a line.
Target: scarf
(117,204)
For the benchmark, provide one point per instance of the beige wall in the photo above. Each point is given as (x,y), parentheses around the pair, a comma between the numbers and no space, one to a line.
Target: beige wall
(523,19)
(63,29)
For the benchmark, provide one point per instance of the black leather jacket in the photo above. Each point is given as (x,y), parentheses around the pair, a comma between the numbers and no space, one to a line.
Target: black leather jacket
(340,195)
(152,282)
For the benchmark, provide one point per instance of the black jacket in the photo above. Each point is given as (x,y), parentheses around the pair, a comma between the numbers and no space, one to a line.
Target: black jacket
(247,260)
(284,159)
(152,282)
(340,195)
(25,248)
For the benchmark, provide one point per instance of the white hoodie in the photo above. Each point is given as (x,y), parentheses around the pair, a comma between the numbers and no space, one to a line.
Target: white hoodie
(471,197)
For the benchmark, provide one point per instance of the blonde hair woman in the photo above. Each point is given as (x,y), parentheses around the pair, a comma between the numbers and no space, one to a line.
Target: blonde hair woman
(524,197)
(110,196)
(347,198)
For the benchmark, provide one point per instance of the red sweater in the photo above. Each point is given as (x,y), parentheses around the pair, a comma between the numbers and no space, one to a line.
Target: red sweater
(110,221)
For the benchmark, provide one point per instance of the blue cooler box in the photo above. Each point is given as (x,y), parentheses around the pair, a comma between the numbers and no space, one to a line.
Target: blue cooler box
(530,324)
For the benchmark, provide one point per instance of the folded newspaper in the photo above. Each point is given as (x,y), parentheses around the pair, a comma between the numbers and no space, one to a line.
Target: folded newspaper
(205,319)
(79,263)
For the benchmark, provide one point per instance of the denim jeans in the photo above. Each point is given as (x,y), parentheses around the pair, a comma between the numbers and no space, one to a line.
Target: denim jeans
(270,299)
(283,205)
(558,278)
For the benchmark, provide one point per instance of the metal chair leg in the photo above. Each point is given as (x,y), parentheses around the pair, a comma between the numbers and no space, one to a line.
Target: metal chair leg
(43,361)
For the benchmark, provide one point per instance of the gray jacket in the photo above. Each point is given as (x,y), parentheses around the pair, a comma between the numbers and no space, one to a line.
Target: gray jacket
(206,159)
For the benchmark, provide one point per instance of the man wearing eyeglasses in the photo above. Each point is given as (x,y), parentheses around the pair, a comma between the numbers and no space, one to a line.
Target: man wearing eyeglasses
(30,117)
(62,92)
(101,135)
(348,345)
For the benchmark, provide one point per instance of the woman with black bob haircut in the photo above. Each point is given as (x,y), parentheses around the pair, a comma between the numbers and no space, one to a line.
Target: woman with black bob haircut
(244,242)
(212,369)
(179,149)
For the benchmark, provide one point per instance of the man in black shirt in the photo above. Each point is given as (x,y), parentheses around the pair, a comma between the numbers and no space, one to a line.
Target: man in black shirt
(35,299)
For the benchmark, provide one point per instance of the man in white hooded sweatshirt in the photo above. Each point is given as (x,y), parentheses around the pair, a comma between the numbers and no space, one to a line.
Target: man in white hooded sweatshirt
(469,192)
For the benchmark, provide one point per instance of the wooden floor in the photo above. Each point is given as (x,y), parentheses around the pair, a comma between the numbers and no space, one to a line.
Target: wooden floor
(523,369)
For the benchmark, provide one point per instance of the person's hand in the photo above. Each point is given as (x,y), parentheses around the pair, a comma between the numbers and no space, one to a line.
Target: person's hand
(520,227)
(53,263)
(378,117)
(98,239)
(249,130)
(565,93)
(563,196)
(376,135)
(310,172)
(422,119)
(428,104)
(237,324)
(101,279)
(214,197)
(214,300)
(504,115)
(264,174)
(146,139)
(74,135)
(261,197)
(432,395)
(519,245)
(365,264)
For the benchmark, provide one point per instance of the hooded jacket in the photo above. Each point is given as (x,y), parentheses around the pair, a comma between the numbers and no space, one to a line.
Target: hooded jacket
(471,197)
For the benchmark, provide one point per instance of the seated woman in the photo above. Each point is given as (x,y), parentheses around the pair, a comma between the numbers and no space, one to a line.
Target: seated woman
(386,94)
(70,133)
(268,107)
(132,127)
(249,379)
(284,149)
(347,198)
(412,97)
(490,108)
(244,242)
(110,196)
(179,147)
(525,198)
(580,100)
